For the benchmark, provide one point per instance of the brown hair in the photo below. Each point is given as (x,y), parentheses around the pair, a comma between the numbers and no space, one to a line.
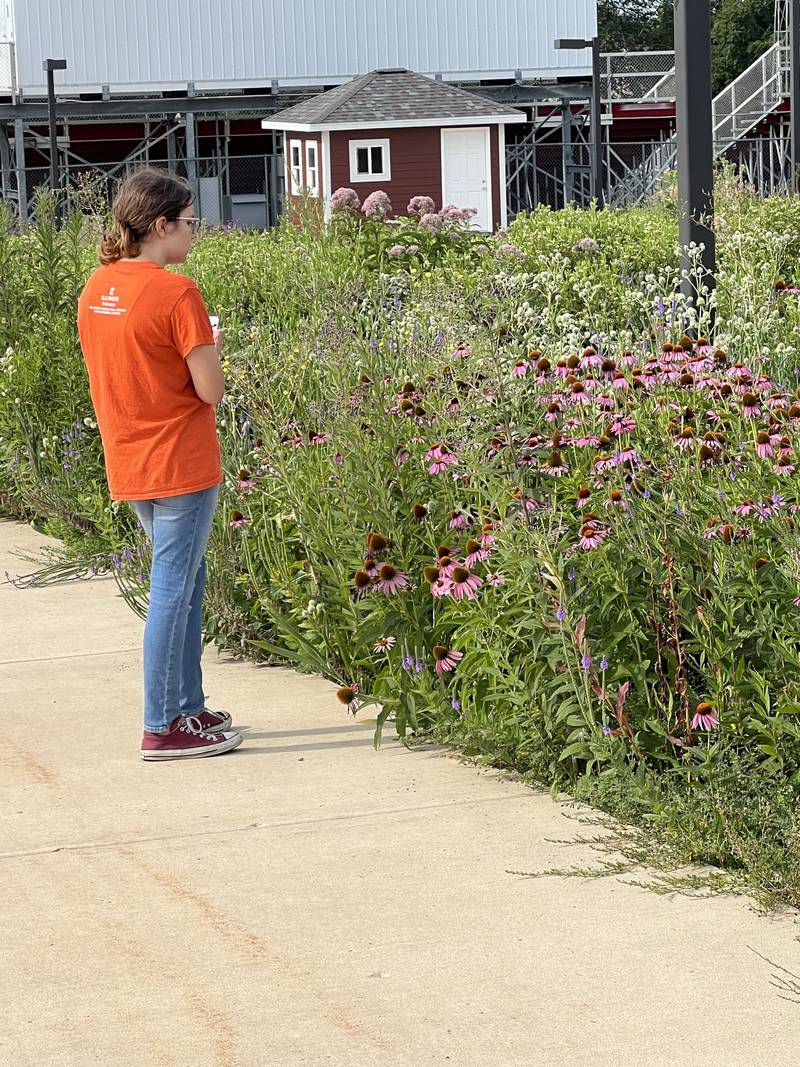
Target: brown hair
(142,198)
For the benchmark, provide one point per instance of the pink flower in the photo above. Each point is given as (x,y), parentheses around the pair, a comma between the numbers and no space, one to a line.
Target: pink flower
(348,695)
(441,586)
(390,580)
(464,584)
(705,717)
(520,368)
(745,508)
(430,221)
(458,520)
(441,458)
(763,445)
(420,205)
(345,200)
(461,352)
(496,578)
(401,458)
(445,659)
(592,535)
(477,556)
(377,205)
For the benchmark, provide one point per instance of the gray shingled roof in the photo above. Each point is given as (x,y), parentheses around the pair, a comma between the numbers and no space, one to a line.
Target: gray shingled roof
(386,96)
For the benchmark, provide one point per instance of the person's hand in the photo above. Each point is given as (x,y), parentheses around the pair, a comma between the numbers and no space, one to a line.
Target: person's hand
(219,337)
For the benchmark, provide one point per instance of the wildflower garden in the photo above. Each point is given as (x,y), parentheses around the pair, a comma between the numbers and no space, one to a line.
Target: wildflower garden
(509,493)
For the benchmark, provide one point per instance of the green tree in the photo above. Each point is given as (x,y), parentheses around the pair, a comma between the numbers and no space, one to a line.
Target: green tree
(741,31)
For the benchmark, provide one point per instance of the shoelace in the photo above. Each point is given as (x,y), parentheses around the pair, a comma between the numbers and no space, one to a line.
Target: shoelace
(190,724)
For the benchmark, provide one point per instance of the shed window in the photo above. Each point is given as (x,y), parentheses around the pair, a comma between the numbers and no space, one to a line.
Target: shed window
(369,161)
(295,167)
(312,168)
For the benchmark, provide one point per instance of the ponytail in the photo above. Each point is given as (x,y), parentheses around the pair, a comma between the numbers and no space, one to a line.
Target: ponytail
(122,242)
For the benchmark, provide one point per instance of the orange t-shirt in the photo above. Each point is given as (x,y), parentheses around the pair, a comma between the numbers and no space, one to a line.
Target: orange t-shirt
(137,323)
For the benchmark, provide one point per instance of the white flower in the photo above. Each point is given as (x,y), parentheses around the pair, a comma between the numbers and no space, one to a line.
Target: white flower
(383,644)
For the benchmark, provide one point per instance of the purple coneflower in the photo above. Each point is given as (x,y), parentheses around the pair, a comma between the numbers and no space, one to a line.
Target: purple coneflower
(520,368)
(464,584)
(475,553)
(592,536)
(390,580)
(496,578)
(745,508)
(763,446)
(446,659)
(348,695)
(238,519)
(616,499)
(625,424)
(750,405)
(384,644)
(441,586)
(705,718)
(555,465)
(685,439)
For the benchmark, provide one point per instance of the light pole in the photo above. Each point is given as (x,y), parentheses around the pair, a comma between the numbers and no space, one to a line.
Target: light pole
(573,43)
(49,66)
(695,136)
(794,74)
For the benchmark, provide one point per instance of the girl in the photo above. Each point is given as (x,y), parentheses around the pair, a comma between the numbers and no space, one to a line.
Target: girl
(155,380)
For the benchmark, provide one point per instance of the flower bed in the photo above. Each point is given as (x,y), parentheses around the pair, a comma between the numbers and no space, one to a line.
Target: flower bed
(491,488)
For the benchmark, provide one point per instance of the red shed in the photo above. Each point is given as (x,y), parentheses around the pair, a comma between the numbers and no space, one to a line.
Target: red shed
(404,133)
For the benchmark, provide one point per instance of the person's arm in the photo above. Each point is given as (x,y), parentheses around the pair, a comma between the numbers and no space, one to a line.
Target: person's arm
(206,370)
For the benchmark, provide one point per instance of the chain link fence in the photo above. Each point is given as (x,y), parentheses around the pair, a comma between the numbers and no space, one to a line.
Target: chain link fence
(637,75)
(246,191)
(8,68)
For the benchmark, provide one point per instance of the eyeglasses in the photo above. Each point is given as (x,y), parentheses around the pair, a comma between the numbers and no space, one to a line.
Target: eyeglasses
(194,223)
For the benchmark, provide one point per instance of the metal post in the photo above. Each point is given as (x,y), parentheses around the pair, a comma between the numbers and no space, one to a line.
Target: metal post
(50,66)
(794,94)
(191,144)
(19,162)
(5,163)
(694,135)
(566,150)
(597,125)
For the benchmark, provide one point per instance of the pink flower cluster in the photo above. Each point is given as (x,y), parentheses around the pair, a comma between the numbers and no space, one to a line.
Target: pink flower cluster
(345,200)
(377,205)
(421,205)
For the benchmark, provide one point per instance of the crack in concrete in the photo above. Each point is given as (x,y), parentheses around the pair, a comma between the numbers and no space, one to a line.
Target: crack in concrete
(70,655)
(87,846)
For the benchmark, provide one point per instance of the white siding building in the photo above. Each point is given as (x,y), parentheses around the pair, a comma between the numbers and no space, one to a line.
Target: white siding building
(152,46)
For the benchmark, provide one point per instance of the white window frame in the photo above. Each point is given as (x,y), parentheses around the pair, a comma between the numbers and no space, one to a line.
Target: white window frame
(385,175)
(312,147)
(295,183)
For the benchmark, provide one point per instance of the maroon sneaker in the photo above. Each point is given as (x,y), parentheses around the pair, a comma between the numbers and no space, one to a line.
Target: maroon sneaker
(186,740)
(213,722)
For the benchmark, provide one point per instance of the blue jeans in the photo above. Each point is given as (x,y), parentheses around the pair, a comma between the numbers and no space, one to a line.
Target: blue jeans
(178,527)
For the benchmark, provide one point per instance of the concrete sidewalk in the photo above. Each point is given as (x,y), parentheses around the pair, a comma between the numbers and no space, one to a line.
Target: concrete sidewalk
(307,900)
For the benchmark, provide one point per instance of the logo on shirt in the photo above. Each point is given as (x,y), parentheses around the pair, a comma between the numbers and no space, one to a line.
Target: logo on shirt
(109,304)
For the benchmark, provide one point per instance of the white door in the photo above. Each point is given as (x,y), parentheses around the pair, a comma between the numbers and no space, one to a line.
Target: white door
(466,175)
